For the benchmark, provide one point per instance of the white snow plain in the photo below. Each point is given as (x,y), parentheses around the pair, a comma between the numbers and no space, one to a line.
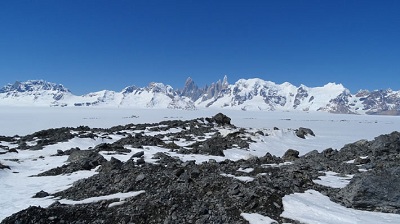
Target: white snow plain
(331,130)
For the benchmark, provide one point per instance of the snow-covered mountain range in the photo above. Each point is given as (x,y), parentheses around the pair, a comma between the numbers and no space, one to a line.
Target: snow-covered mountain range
(244,94)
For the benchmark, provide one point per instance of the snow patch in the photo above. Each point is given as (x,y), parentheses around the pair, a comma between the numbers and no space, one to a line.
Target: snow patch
(255,218)
(246,170)
(334,180)
(120,196)
(313,207)
(241,178)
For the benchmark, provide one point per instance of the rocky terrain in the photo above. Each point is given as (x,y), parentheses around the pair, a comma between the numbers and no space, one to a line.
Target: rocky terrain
(175,190)
(244,94)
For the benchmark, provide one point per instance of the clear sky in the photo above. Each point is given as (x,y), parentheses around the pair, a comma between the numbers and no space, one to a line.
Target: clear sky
(91,45)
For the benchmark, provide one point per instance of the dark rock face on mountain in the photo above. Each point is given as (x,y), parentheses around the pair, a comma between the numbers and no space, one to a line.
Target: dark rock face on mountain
(191,90)
(341,104)
(34,89)
(33,85)
(300,96)
(176,191)
(381,102)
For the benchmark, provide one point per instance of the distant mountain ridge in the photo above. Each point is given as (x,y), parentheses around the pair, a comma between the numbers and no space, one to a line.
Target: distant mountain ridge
(244,94)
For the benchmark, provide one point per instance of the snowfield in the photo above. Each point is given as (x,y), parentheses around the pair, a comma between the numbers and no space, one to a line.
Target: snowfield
(331,131)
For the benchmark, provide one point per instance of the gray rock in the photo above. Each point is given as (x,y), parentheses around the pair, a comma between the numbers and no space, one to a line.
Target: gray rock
(220,119)
(4,167)
(377,190)
(361,161)
(88,159)
(138,154)
(140,177)
(109,166)
(291,155)
(79,160)
(303,132)
(41,194)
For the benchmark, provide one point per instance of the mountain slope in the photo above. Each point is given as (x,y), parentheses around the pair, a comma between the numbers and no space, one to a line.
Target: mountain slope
(245,94)
(37,92)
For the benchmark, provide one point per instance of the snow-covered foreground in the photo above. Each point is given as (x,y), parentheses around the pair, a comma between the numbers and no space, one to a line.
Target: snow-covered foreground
(331,130)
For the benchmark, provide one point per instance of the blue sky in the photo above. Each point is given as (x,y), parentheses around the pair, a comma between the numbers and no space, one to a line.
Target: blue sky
(90,45)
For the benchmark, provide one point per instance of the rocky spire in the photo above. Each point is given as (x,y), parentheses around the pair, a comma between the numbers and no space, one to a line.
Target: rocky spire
(191,90)
(225,83)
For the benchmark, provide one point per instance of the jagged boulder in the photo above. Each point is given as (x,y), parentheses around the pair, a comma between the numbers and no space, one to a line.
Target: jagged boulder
(303,132)
(386,144)
(87,158)
(45,137)
(290,155)
(220,119)
(376,190)
(138,141)
(41,194)
(4,167)
(138,154)
(78,160)
(113,164)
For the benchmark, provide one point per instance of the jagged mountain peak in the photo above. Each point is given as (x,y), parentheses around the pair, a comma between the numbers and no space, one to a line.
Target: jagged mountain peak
(32,86)
(157,87)
(244,94)
(189,81)
(191,90)
(225,81)
(129,89)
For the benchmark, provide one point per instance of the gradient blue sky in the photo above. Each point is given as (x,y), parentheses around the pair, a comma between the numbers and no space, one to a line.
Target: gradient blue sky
(90,45)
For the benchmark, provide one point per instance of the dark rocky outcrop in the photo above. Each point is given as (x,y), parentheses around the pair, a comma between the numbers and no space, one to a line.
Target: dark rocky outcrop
(220,119)
(376,190)
(4,167)
(45,137)
(217,143)
(41,194)
(303,132)
(290,155)
(138,141)
(78,160)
